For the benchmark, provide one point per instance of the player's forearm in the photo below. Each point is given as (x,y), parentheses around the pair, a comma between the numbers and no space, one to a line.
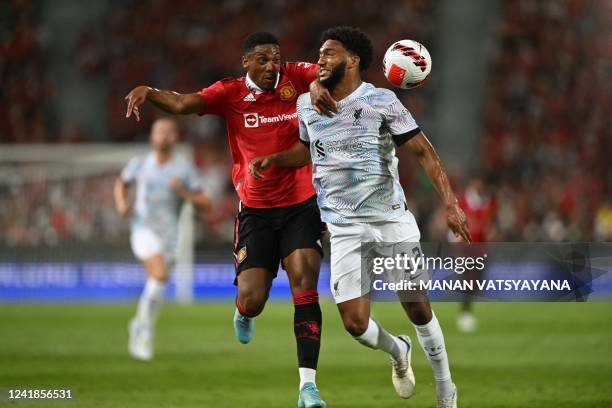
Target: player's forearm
(431,163)
(168,101)
(199,200)
(437,174)
(120,195)
(297,156)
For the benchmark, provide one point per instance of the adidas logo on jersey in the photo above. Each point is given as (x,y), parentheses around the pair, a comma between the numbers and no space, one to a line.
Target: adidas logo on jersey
(249,98)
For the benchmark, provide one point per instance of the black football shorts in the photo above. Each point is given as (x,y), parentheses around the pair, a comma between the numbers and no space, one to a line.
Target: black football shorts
(265,236)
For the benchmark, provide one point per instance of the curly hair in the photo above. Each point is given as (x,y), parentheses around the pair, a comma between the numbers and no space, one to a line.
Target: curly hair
(354,40)
(258,38)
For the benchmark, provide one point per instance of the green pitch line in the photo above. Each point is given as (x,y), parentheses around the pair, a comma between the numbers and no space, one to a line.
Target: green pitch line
(524,355)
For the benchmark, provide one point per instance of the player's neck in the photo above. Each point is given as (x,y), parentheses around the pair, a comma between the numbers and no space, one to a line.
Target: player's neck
(162,157)
(346,87)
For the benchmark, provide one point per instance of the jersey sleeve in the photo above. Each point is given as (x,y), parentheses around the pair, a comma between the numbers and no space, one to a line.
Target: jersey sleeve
(130,171)
(215,97)
(302,72)
(304,137)
(191,179)
(400,122)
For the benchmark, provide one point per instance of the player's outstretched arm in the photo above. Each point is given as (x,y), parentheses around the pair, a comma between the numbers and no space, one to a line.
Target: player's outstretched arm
(420,146)
(122,204)
(296,156)
(168,101)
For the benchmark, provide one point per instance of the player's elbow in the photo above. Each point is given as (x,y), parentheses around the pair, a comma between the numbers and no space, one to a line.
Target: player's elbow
(119,184)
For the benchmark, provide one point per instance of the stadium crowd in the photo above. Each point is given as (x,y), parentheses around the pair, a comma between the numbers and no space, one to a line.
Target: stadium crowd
(25,90)
(545,151)
(548,124)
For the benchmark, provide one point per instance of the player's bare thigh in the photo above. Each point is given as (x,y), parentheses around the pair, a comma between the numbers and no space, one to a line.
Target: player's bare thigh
(303,266)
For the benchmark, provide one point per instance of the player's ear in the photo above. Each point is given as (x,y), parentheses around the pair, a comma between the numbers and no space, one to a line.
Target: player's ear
(245,62)
(354,61)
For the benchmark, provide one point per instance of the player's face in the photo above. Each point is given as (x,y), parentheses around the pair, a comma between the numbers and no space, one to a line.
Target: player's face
(334,61)
(164,135)
(263,65)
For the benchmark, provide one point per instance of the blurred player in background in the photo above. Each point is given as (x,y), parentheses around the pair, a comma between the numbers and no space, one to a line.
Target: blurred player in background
(480,209)
(278,219)
(163,182)
(361,199)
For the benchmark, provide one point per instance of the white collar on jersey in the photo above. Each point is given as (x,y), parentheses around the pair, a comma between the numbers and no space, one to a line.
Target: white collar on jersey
(253,86)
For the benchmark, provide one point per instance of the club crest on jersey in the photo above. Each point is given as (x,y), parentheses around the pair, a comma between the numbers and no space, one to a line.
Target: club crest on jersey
(287,92)
(357,116)
(251,120)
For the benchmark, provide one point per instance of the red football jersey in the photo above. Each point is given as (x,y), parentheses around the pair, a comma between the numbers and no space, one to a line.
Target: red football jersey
(480,212)
(259,124)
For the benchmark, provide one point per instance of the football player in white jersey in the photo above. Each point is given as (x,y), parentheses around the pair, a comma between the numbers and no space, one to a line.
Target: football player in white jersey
(163,182)
(361,199)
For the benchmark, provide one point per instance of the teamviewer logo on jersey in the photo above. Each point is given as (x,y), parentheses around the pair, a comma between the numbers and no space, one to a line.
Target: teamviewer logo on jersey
(251,120)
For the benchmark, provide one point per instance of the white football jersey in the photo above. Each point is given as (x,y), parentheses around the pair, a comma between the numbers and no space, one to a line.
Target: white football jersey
(353,155)
(157,205)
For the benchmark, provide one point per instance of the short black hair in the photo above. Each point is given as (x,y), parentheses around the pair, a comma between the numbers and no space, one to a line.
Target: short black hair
(258,38)
(354,40)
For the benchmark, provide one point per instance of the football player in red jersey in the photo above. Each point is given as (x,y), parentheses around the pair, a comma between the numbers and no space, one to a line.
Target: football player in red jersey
(278,218)
(480,208)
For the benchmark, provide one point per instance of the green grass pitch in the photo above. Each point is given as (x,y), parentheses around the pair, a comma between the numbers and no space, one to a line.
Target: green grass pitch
(523,355)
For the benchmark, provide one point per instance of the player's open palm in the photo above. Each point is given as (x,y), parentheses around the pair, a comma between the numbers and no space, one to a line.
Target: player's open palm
(134,99)
(258,165)
(457,222)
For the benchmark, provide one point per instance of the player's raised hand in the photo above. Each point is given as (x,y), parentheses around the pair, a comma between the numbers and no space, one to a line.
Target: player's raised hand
(457,222)
(321,99)
(135,98)
(259,164)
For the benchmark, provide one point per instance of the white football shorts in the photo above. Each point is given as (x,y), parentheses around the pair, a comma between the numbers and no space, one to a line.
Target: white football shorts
(147,243)
(346,258)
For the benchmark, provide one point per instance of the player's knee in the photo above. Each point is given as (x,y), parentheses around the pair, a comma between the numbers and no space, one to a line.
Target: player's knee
(303,283)
(252,304)
(355,325)
(419,312)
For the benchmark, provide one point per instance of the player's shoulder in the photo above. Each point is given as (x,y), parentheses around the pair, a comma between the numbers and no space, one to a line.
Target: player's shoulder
(382,95)
(183,162)
(303,101)
(138,160)
(292,66)
(380,98)
(230,83)
(136,163)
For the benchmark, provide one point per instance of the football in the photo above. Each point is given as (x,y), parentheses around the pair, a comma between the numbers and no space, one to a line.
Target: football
(406,64)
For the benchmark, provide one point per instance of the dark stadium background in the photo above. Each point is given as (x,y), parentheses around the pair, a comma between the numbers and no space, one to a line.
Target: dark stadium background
(519,96)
